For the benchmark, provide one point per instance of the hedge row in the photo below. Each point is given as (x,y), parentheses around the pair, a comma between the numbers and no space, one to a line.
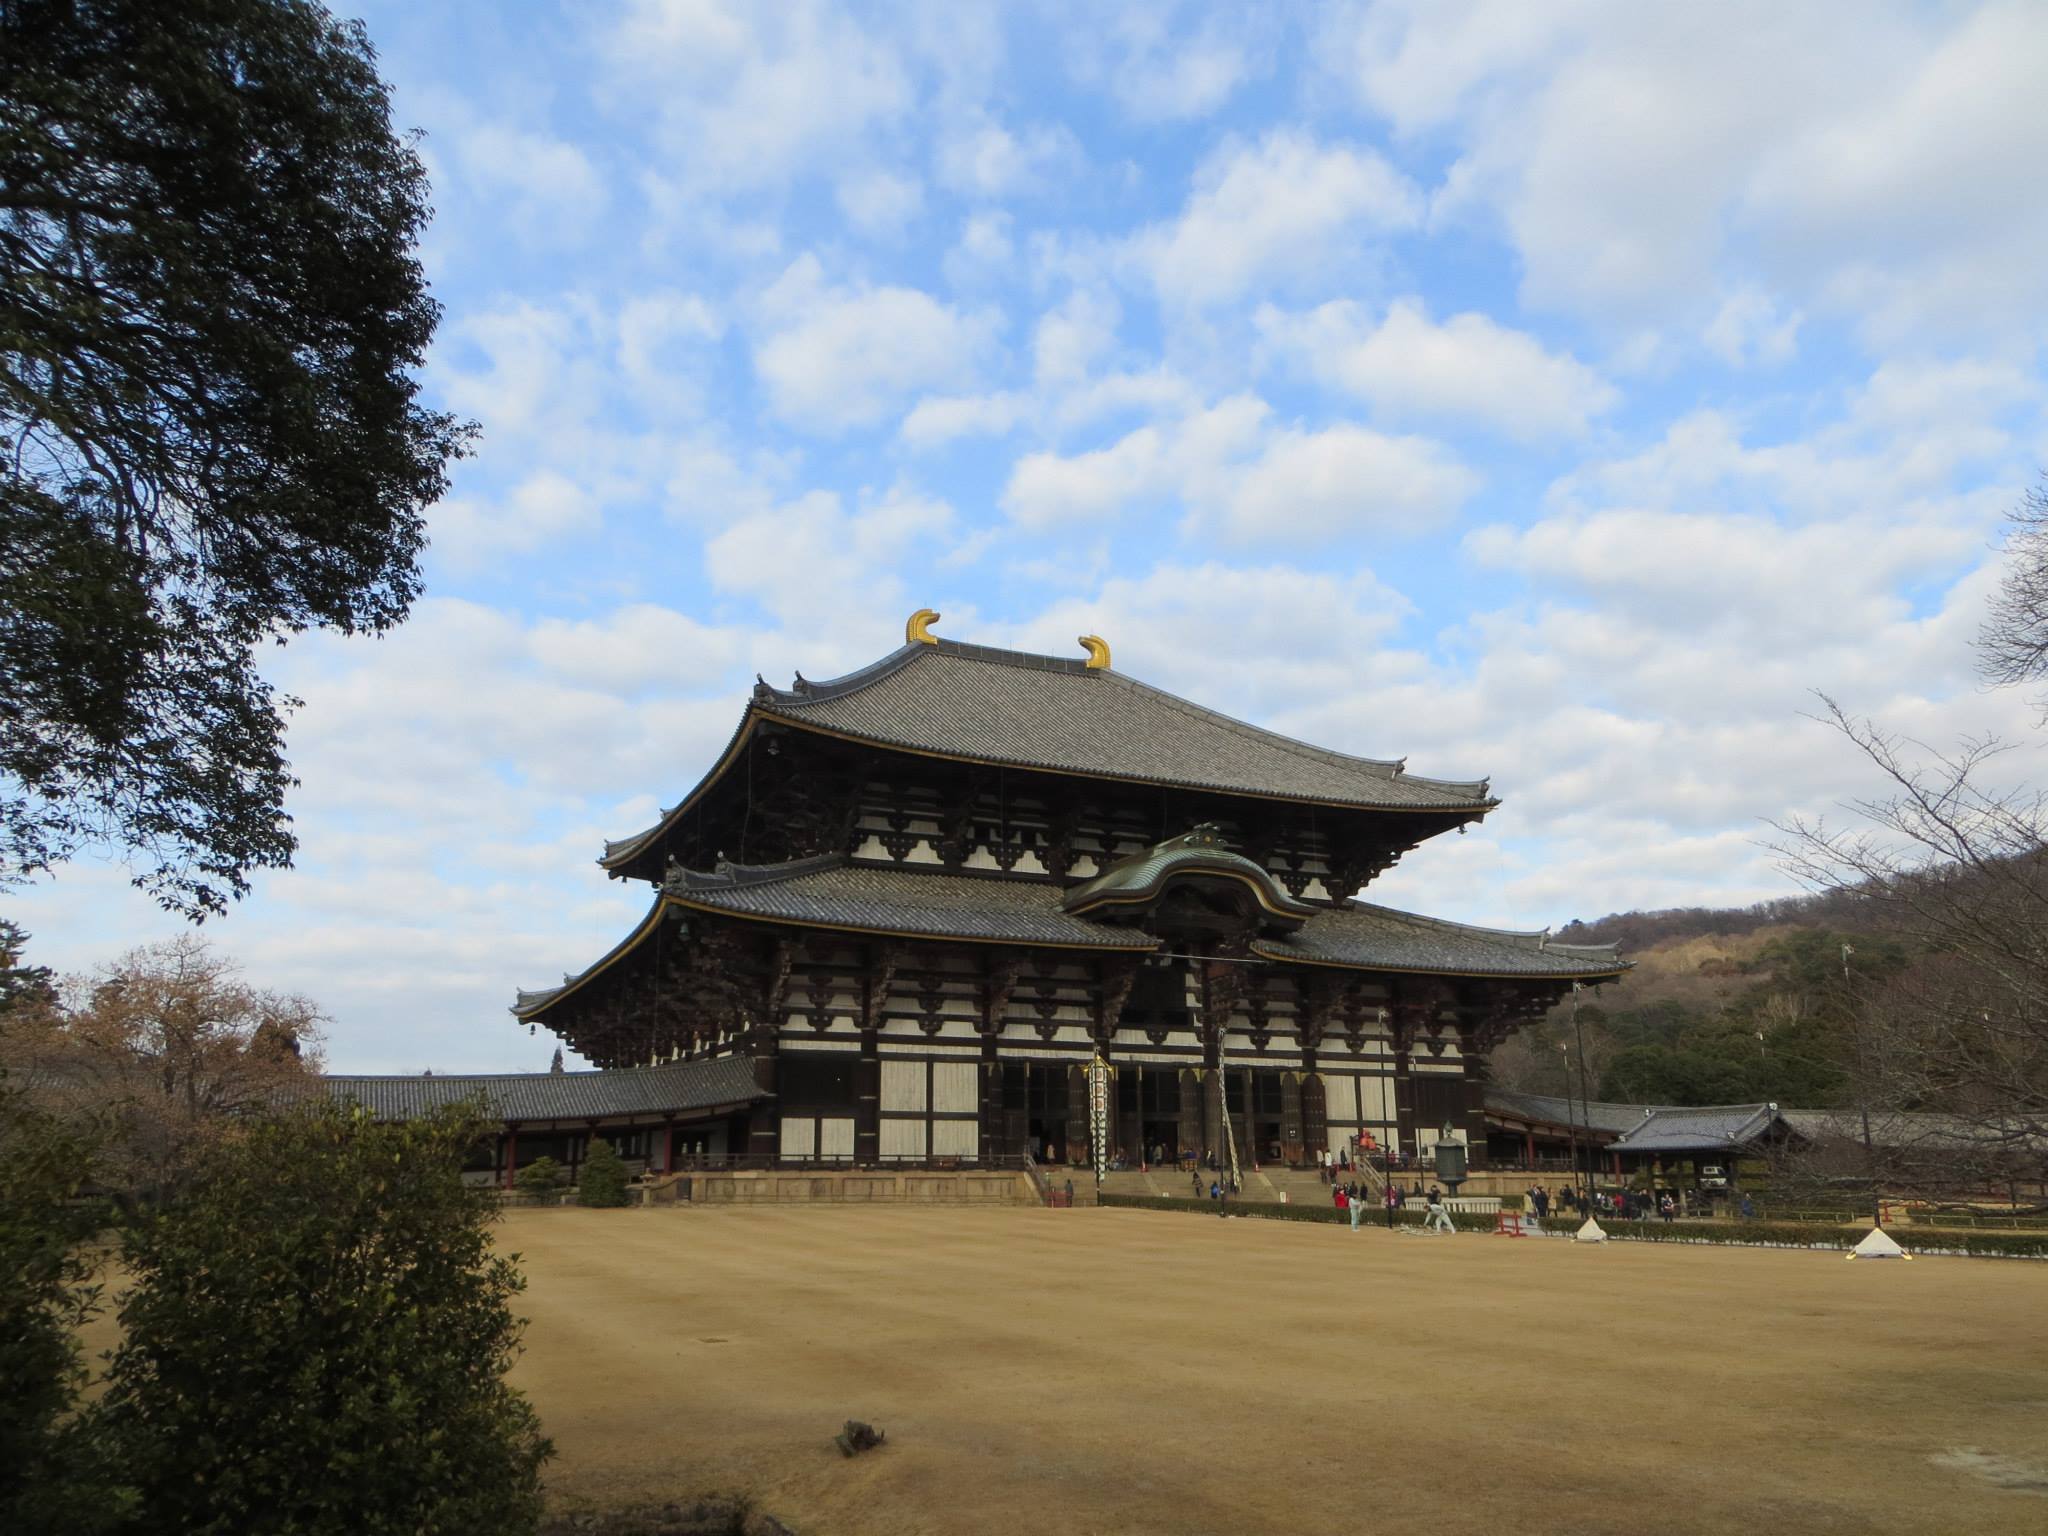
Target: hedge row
(1375,1216)
(1772,1234)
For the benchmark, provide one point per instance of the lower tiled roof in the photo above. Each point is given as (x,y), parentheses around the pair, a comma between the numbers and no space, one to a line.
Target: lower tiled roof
(1545,1109)
(833,893)
(1381,938)
(677,1088)
(1702,1128)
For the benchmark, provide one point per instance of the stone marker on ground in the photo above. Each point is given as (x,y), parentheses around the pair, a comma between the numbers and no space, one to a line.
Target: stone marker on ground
(1878,1245)
(858,1437)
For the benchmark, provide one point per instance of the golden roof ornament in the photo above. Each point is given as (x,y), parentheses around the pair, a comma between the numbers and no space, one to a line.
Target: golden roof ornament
(917,629)
(1098,652)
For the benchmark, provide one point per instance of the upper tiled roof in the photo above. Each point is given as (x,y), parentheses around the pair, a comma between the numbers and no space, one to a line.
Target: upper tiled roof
(1704,1128)
(1027,711)
(525,1096)
(1548,1110)
(1054,713)
(1380,938)
(832,892)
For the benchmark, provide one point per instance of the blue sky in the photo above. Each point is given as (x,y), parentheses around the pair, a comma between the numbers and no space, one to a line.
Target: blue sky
(1556,393)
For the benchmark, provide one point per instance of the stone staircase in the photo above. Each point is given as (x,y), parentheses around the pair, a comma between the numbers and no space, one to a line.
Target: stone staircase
(1300,1186)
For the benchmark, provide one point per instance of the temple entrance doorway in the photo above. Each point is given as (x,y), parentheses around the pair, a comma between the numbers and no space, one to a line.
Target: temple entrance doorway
(1045,1103)
(1255,1114)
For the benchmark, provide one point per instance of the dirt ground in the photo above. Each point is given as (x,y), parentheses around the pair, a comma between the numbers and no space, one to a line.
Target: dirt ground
(1134,1371)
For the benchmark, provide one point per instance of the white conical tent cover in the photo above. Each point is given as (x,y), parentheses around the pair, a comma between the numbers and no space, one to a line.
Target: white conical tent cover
(1591,1232)
(1878,1245)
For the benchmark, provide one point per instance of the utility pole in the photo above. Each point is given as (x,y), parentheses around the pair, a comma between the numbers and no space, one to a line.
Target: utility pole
(1863,1102)
(1571,1113)
(1585,1096)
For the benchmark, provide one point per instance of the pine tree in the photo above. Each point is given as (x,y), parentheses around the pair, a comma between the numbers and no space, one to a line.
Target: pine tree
(604,1176)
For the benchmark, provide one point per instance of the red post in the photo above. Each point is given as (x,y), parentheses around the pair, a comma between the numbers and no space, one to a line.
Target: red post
(668,1148)
(1529,1145)
(511,1153)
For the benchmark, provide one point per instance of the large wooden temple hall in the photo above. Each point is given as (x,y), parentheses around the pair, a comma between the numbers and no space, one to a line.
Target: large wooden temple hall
(968,903)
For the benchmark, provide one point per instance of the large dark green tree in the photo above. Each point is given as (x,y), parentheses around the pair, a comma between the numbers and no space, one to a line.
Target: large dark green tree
(211,320)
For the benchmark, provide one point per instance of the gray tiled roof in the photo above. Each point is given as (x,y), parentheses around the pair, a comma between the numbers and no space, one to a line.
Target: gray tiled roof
(1610,1118)
(832,892)
(526,1096)
(1361,934)
(1029,711)
(1704,1128)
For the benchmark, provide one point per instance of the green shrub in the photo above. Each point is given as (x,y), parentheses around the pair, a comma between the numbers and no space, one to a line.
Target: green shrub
(603,1180)
(318,1338)
(541,1177)
(48,1476)
(1787,1234)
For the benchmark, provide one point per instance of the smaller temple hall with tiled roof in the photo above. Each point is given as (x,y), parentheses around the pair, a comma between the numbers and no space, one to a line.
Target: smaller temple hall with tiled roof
(966,905)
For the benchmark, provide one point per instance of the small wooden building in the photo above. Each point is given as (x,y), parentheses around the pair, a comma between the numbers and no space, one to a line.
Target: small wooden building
(656,1118)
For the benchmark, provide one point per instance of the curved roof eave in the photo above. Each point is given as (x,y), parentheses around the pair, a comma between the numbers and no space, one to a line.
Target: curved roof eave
(527,1007)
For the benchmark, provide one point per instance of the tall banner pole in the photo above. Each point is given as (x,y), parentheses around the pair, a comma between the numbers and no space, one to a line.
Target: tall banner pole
(1098,1114)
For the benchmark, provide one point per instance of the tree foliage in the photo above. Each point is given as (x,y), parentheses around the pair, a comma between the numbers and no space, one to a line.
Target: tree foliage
(1951,860)
(21,985)
(542,1176)
(2013,644)
(602,1181)
(210,320)
(318,1338)
(161,1053)
(49,1477)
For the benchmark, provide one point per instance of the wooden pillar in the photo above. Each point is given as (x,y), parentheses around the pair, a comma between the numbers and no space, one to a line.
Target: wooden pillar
(668,1146)
(1190,1111)
(1315,1116)
(511,1155)
(764,1117)
(1077,1114)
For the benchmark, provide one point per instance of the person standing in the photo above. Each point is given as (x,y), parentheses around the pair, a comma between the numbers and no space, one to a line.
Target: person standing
(1438,1219)
(1357,1211)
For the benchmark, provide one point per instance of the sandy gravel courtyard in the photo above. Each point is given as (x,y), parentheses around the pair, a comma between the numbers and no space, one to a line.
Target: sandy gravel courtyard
(1128,1371)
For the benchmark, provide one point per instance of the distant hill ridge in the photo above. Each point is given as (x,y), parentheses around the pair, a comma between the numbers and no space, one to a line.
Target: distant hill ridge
(1638,931)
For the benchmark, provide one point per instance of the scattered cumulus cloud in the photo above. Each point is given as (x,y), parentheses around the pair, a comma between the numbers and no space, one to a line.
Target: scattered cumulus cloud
(1488,385)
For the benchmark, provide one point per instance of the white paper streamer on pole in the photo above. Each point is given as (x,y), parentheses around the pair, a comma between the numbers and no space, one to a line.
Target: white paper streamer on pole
(1098,1113)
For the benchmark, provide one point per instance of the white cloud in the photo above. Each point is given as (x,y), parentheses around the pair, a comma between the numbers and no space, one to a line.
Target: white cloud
(746,95)
(835,358)
(1466,368)
(984,251)
(1164,62)
(472,531)
(1235,473)
(1340,480)
(979,157)
(879,203)
(546,188)
(1870,169)
(778,557)
(1262,213)
(940,419)
(1750,329)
